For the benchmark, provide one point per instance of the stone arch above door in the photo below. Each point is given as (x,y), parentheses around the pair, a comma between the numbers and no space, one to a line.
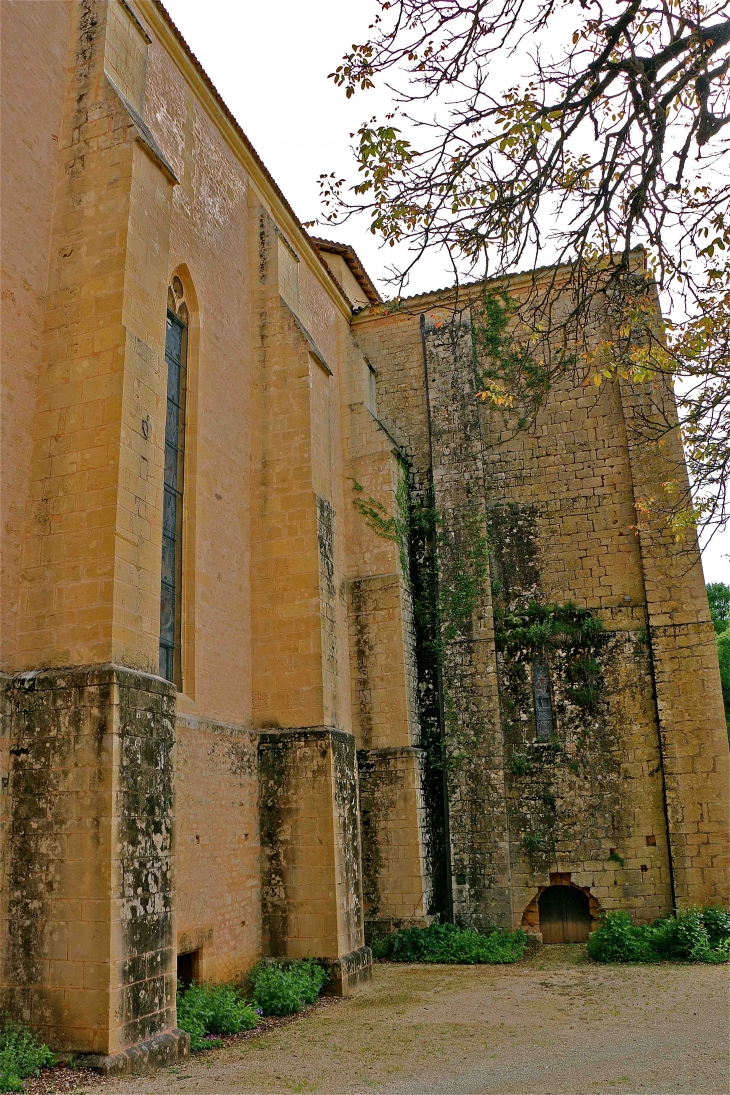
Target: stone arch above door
(531,915)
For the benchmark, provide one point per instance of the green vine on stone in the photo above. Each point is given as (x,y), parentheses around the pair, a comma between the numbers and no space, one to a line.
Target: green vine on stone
(573,632)
(376,515)
(463,571)
(395,528)
(446,566)
(509,374)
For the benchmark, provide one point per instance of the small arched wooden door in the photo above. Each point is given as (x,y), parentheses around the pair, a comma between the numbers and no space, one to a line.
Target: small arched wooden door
(565,915)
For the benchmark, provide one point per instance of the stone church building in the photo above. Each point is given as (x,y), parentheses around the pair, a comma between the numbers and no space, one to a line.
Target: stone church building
(299,640)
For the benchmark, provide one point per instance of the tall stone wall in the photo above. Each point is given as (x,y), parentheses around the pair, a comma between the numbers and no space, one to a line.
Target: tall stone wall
(692,726)
(473,742)
(218,871)
(34,83)
(590,806)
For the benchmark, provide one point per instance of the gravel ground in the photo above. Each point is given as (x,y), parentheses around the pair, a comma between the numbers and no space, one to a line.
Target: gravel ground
(553,1025)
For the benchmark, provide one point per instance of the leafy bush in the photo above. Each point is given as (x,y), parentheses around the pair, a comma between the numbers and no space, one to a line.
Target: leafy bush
(284,990)
(451,944)
(620,940)
(204,1010)
(21,1055)
(717,923)
(695,935)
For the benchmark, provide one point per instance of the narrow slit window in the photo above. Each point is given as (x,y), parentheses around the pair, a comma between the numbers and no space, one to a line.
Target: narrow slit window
(543,702)
(171,590)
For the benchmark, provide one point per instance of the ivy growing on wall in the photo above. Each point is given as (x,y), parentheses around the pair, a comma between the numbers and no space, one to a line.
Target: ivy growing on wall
(512,372)
(445,565)
(574,643)
(574,634)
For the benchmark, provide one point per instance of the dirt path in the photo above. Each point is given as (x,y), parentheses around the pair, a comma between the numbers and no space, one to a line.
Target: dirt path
(552,1026)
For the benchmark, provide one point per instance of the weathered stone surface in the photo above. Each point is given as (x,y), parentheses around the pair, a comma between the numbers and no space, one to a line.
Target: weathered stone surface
(88,910)
(340,480)
(310,839)
(614,802)
(396,880)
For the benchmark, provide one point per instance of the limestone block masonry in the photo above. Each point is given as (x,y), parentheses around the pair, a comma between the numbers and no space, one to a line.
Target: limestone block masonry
(311,874)
(214,432)
(88,897)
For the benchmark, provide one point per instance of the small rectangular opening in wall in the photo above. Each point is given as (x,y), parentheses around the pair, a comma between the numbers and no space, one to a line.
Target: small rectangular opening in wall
(188,967)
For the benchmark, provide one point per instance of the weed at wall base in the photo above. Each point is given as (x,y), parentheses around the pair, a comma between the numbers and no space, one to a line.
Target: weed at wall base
(21,1055)
(285,990)
(204,1011)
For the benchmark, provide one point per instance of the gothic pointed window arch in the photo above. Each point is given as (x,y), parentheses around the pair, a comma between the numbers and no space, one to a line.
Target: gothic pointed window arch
(176,350)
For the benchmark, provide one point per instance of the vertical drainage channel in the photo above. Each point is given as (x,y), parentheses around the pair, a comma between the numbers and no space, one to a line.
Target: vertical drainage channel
(439,670)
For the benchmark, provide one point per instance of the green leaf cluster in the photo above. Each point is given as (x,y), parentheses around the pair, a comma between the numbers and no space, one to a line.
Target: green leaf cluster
(205,1010)
(451,944)
(694,935)
(718,594)
(21,1055)
(574,631)
(285,989)
(508,373)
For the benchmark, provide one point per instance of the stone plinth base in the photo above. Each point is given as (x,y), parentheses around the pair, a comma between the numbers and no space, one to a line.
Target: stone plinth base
(168,1048)
(347,972)
(87,958)
(396,885)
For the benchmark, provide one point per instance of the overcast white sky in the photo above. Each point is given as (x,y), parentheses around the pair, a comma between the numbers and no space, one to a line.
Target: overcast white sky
(269,59)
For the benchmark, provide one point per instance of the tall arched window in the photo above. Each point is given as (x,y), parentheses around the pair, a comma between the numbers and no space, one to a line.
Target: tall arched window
(172,505)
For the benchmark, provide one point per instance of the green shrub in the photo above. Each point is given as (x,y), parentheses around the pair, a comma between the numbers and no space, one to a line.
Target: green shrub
(694,935)
(682,935)
(380,946)
(521,764)
(619,940)
(284,990)
(717,923)
(450,944)
(204,1010)
(21,1055)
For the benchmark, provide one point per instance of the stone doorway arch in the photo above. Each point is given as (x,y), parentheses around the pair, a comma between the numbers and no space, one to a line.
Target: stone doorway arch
(562,912)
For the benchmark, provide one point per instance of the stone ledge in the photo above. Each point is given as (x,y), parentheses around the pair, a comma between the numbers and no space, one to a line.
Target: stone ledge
(275,735)
(168,1048)
(89,676)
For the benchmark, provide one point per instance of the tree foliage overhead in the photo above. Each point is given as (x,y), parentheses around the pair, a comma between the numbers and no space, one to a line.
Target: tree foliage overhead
(615,137)
(718,594)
